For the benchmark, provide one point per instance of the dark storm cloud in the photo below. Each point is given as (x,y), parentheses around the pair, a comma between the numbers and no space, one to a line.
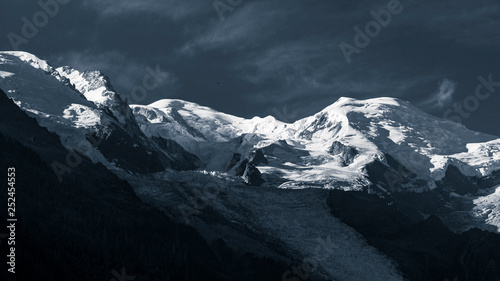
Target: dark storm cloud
(267,55)
(472,24)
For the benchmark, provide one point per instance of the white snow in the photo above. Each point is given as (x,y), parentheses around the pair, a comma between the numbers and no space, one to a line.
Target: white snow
(487,208)
(39,90)
(82,116)
(31,59)
(423,143)
(5,74)
(91,83)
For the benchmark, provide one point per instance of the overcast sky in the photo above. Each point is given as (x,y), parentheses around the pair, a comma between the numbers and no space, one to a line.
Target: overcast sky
(288,58)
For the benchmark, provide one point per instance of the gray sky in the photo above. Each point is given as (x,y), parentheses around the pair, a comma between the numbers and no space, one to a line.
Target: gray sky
(280,58)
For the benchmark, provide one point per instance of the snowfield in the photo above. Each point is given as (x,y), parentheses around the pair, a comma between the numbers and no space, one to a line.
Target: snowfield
(287,216)
(487,208)
(425,144)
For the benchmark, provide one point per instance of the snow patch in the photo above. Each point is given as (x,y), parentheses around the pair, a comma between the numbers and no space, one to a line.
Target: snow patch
(487,208)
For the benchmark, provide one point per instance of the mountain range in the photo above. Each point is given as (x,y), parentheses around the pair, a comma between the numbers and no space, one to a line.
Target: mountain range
(363,190)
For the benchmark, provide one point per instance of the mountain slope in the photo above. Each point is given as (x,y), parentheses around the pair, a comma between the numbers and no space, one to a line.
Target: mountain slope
(332,147)
(92,223)
(272,180)
(90,118)
(424,144)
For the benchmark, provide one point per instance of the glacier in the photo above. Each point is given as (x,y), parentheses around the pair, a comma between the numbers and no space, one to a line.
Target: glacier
(171,149)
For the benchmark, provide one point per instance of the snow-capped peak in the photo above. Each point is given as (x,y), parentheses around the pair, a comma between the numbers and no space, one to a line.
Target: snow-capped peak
(94,85)
(35,86)
(422,143)
(27,58)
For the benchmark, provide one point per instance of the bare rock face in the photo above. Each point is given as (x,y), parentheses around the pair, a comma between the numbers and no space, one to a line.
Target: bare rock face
(252,175)
(234,161)
(247,168)
(424,248)
(346,153)
(241,168)
(258,158)
(176,156)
